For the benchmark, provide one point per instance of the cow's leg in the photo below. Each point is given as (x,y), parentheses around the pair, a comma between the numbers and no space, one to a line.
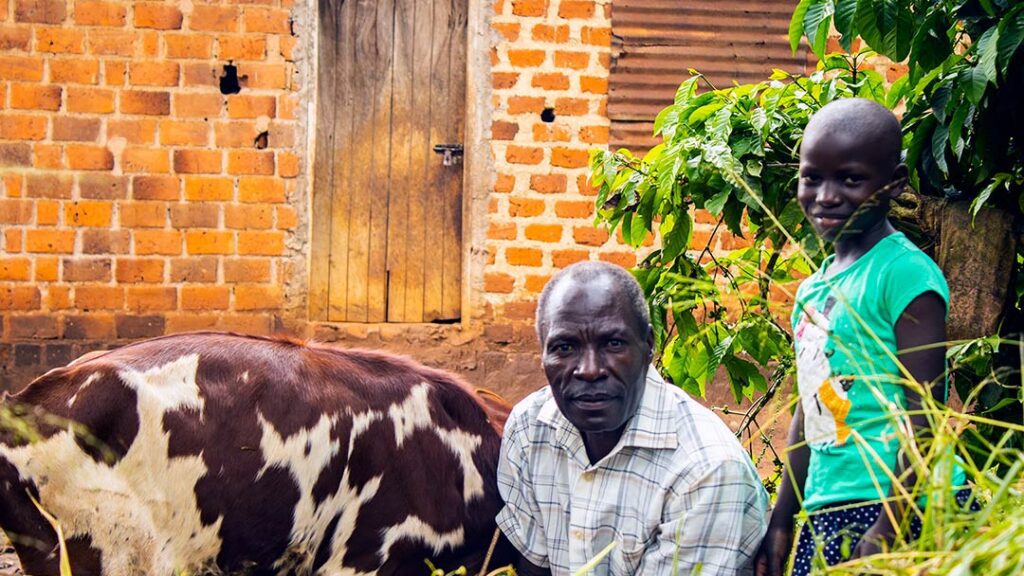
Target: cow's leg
(33,538)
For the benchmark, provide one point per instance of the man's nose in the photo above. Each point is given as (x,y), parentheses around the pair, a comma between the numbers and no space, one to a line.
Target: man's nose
(590,366)
(827,194)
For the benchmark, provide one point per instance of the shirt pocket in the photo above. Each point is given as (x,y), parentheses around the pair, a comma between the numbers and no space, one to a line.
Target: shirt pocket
(625,557)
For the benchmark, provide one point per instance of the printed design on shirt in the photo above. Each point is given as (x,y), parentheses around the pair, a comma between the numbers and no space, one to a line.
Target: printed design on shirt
(823,394)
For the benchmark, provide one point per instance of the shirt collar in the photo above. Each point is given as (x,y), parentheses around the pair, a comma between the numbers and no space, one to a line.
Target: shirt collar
(653,425)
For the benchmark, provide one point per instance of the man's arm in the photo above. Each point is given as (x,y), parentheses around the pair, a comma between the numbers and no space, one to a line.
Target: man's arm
(525,568)
(920,332)
(771,558)
(520,519)
(713,524)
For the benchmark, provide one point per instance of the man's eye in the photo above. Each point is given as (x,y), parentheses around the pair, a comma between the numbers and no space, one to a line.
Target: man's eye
(810,179)
(853,181)
(616,343)
(561,348)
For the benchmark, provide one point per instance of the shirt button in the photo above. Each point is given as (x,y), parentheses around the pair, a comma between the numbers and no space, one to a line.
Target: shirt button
(588,476)
(577,534)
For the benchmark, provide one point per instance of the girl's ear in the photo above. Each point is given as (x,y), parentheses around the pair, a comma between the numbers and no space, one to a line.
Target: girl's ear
(898,183)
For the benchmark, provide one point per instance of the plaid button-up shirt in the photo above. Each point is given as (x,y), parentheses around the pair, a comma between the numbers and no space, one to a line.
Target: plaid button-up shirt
(677,487)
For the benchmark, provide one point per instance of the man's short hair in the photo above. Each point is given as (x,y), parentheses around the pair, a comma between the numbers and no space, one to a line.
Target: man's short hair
(585,272)
(861,118)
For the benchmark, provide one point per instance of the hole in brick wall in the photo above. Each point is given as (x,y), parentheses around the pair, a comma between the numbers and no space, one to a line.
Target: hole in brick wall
(261,140)
(229,81)
(548,115)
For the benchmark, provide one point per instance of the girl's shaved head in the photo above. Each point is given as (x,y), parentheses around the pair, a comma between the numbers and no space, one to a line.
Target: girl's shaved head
(860,119)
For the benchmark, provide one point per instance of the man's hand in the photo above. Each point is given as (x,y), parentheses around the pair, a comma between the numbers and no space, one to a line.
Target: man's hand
(771,557)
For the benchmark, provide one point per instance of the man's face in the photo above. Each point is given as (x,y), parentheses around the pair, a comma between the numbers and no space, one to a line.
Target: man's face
(595,354)
(841,183)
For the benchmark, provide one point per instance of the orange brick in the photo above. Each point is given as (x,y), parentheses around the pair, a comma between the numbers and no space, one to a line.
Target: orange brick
(548,183)
(601,36)
(21,68)
(194,269)
(90,100)
(46,269)
(48,186)
(576,9)
(594,134)
(257,297)
(15,269)
(151,160)
(544,232)
(102,186)
(146,103)
(594,85)
(105,242)
(139,270)
(551,81)
(155,188)
(623,259)
(536,283)
(590,236)
(287,219)
(162,242)
(13,240)
(134,131)
(214,18)
(525,104)
(34,97)
(573,60)
(85,269)
(563,258)
(288,164)
(22,127)
(48,156)
(526,58)
(57,297)
(60,40)
(19,298)
(157,15)
(202,74)
(246,270)
(92,297)
(143,214)
(502,130)
(498,283)
(504,183)
(87,157)
(251,106)
(209,242)
(255,76)
(89,13)
(571,106)
(197,161)
(198,105)
(241,47)
(205,297)
(15,211)
(548,33)
(203,189)
(501,231)
(516,256)
(177,133)
(529,7)
(74,71)
(15,38)
(256,189)
(574,209)
(583,186)
(153,74)
(288,106)
(524,155)
(287,47)
(504,80)
(195,215)
(198,46)
(569,158)
(544,132)
(247,162)
(508,30)
(248,216)
(268,20)
(261,243)
(115,73)
(525,207)
(151,298)
(112,42)
(96,214)
(49,241)
(47,212)
(70,128)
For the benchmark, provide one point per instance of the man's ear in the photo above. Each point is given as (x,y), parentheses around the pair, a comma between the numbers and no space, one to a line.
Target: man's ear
(900,173)
(650,342)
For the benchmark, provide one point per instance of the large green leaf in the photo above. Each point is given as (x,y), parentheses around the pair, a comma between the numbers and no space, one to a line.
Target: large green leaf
(866,18)
(796,23)
(1011,33)
(744,378)
(939,140)
(988,53)
(845,10)
(675,234)
(816,25)
(886,26)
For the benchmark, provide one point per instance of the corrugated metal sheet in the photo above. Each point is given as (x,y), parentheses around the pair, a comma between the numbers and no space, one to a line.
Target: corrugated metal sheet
(655,43)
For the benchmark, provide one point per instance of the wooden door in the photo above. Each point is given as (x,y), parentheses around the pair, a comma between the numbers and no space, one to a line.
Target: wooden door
(387,212)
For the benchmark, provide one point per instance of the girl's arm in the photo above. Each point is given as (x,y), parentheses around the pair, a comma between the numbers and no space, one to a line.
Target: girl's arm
(771,558)
(922,330)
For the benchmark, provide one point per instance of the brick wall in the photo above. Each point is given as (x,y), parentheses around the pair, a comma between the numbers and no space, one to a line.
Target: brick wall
(137,198)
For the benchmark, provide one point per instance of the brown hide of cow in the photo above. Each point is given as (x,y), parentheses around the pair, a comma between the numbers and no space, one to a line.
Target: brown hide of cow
(227,453)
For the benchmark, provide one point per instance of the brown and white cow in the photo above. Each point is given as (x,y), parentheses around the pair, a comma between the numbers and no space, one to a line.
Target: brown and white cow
(220,453)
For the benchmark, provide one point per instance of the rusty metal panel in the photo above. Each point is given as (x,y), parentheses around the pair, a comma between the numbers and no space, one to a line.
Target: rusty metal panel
(655,43)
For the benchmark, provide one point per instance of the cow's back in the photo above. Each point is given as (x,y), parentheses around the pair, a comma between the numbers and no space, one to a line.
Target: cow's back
(255,454)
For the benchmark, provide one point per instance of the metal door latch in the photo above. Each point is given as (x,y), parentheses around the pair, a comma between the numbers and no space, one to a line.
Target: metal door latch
(451,153)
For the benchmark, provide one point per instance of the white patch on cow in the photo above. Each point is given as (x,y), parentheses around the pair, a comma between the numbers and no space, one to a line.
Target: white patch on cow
(92,378)
(141,513)
(416,529)
(245,376)
(414,413)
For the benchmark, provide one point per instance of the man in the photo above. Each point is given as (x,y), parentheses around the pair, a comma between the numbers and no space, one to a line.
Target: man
(610,453)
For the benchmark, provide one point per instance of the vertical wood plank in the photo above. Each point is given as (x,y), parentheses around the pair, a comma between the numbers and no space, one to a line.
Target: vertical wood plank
(379,186)
(451,282)
(323,164)
(402,118)
(439,132)
(341,69)
(360,151)
(421,157)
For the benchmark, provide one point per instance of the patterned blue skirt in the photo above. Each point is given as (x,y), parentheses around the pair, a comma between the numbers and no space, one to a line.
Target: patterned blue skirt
(839,531)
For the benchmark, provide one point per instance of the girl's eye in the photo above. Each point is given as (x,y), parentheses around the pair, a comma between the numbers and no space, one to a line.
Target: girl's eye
(853,181)
(810,179)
